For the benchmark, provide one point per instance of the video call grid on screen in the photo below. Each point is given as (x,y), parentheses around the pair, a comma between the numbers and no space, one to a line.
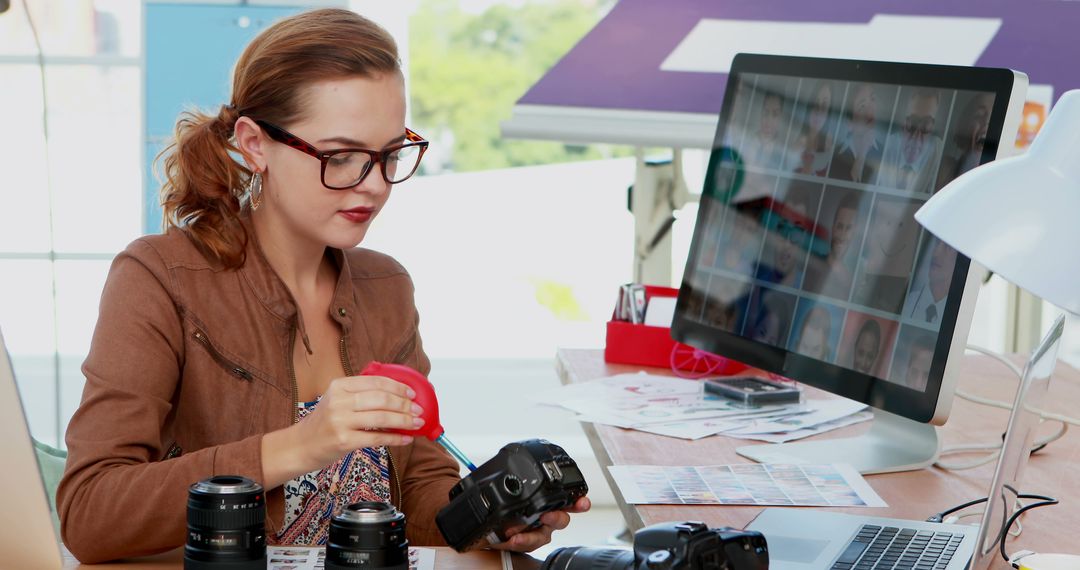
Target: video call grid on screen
(806,239)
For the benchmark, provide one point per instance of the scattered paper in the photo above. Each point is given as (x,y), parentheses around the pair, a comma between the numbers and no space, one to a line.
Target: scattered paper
(314,558)
(783,437)
(696,429)
(295,557)
(421,558)
(680,408)
(822,411)
(634,412)
(640,384)
(745,484)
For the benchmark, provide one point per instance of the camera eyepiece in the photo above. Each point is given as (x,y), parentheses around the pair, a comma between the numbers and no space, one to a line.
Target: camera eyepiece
(226,519)
(368,535)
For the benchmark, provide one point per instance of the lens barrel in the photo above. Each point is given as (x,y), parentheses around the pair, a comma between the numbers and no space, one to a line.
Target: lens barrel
(368,535)
(586,558)
(226,519)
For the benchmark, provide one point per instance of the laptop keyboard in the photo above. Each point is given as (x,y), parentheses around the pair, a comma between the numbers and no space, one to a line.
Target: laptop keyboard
(893,548)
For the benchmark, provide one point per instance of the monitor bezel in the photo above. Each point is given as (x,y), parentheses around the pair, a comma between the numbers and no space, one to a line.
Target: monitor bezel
(931,405)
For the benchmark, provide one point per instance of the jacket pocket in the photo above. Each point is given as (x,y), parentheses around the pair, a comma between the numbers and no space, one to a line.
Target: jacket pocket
(226,363)
(405,349)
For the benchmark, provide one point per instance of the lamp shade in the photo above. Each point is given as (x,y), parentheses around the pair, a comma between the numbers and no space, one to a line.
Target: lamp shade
(1020,217)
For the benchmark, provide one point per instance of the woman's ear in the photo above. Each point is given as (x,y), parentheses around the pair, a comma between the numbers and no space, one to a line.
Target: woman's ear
(249,140)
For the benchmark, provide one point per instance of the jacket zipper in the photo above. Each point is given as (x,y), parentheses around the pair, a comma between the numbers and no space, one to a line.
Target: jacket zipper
(233,368)
(397,480)
(294,414)
(389,456)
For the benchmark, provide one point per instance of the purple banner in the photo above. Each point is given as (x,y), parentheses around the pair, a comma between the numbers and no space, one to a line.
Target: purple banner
(617,64)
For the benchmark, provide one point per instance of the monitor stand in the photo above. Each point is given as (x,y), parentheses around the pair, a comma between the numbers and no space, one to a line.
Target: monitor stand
(893,443)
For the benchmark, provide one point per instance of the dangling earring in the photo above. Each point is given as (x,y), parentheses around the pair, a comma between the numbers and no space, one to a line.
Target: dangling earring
(254,191)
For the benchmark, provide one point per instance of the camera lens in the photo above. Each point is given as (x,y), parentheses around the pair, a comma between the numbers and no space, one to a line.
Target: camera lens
(583,558)
(226,518)
(368,535)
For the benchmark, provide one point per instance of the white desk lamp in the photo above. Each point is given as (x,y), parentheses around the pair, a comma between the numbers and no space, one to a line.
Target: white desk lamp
(1020,218)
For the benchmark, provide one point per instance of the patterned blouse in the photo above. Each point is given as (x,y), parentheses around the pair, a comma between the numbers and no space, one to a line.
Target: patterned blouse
(312,499)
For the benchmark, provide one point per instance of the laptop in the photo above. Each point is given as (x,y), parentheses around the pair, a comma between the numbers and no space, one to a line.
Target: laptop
(28,539)
(808,539)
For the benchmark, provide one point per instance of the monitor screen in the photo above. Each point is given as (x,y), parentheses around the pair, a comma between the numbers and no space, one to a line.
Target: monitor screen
(806,259)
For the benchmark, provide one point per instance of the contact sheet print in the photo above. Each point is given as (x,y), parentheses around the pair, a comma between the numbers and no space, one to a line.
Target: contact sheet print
(314,558)
(836,485)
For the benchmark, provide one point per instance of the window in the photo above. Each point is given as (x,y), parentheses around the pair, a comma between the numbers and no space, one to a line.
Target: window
(71,204)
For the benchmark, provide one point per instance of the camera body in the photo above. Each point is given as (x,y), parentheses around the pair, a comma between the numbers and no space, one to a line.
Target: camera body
(672,546)
(694,545)
(523,481)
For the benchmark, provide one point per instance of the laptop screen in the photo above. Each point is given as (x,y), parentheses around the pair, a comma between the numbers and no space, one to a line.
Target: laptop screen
(27,536)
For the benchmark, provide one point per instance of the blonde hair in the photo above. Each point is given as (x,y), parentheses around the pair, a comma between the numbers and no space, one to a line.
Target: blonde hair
(204,184)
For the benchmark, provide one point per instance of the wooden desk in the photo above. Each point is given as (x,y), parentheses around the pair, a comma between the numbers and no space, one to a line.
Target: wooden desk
(445,558)
(910,495)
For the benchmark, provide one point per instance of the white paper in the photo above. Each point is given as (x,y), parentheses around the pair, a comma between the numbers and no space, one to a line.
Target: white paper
(699,428)
(295,557)
(660,312)
(745,484)
(314,558)
(784,437)
(637,412)
(619,386)
(690,430)
(824,411)
(421,558)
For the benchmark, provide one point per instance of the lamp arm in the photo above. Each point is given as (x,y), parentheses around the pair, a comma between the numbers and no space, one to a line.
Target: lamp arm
(995,448)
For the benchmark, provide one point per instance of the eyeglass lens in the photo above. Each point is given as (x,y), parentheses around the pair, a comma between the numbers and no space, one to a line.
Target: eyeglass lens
(345,169)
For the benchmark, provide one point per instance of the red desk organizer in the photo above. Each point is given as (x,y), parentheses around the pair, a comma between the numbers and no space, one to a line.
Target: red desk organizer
(629,343)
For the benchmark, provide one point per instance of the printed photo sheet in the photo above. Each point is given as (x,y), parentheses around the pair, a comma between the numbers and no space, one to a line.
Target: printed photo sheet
(837,485)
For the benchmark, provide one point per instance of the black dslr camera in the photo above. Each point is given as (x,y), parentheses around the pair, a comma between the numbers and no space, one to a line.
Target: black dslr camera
(671,546)
(523,481)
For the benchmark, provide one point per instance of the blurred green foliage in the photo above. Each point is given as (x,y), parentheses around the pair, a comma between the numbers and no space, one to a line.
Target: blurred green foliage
(467,70)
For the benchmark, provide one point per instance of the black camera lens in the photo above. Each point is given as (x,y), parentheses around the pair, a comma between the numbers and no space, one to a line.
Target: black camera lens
(226,518)
(584,558)
(368,535)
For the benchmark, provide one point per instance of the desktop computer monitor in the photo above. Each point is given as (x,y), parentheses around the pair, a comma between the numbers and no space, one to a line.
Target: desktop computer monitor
(806,260)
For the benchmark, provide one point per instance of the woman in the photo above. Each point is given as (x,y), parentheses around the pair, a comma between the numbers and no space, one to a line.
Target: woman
(815,139)
(230,344)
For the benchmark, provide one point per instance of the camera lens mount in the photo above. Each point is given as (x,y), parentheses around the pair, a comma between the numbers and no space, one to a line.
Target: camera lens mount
(367,535)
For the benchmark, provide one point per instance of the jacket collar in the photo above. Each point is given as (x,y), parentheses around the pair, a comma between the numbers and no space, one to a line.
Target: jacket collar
(268,288)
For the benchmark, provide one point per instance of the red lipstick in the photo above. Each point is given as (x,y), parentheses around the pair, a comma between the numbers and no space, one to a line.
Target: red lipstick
(358,215)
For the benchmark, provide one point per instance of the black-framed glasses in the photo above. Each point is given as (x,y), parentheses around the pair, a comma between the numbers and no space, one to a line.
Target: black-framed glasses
(344,168)
(916,125)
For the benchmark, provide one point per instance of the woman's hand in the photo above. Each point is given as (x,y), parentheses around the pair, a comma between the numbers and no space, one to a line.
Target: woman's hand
(351,415)
(520,540)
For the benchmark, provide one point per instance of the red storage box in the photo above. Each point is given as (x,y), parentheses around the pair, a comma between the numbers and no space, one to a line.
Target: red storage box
(629,343)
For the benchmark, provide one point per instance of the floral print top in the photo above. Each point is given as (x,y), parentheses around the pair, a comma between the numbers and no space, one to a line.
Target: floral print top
(312,499)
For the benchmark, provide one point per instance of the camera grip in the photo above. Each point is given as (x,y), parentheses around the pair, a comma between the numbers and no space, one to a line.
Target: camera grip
(425,396)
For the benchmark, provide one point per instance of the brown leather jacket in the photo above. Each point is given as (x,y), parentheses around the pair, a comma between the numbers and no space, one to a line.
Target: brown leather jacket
(190,364)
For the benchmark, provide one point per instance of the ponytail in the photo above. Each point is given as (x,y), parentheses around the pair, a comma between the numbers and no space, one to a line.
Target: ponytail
(203,185)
